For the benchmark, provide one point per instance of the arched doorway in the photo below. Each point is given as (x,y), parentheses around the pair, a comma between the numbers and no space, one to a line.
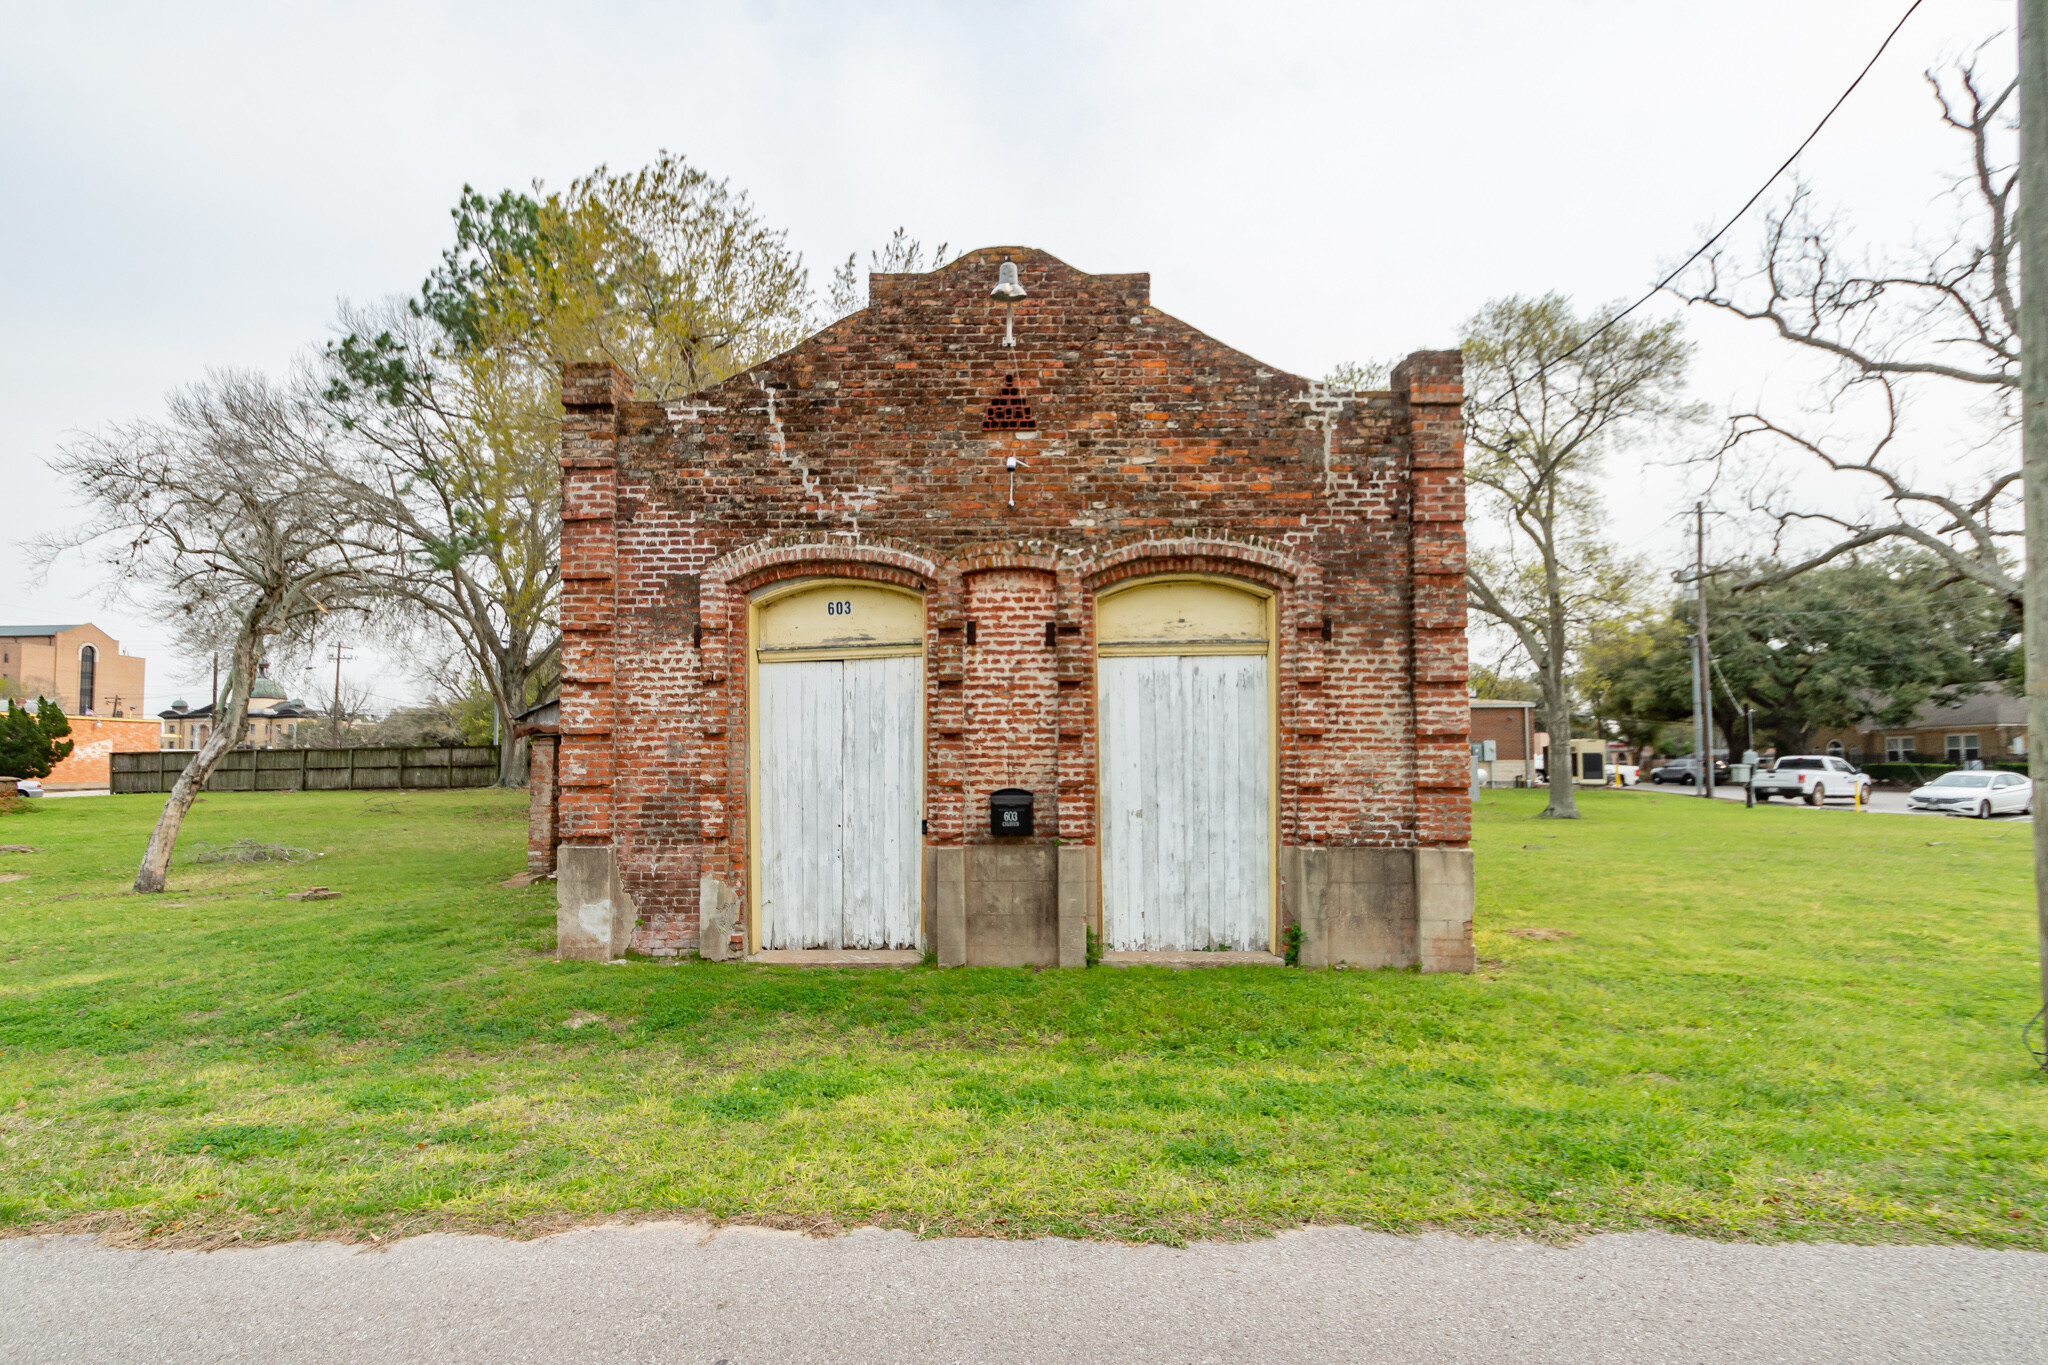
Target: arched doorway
(837,765)
(1185,691)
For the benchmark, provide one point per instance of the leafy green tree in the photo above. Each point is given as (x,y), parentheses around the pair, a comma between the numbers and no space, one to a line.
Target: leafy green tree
(455,396)
(670,275)
(1548,394)
(1615,653)
(1489,684)
(1871,636)
(1356,376)
(32,742)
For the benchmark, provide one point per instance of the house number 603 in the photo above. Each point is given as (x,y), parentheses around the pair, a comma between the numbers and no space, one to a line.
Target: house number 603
(839,608)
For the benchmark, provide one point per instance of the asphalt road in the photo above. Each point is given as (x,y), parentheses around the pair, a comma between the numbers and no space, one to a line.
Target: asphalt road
(680,1292)
(1882,801)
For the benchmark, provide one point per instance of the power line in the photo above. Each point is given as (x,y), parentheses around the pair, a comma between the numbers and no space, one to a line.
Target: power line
(1748,204)
(1985,601)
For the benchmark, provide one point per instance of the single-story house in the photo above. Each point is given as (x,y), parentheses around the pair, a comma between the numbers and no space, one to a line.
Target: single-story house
(1006,612)
(1988,725)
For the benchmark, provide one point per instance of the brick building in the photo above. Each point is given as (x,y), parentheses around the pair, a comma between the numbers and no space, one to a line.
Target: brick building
(1518,737)
(1007,610)
(274,720)
(79,667)
(1990,725)
(94,742)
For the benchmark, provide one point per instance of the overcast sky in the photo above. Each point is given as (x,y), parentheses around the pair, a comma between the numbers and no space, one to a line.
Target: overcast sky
(196,185)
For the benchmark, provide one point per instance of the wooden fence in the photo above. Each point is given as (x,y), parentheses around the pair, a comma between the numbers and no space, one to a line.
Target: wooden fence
(316,770)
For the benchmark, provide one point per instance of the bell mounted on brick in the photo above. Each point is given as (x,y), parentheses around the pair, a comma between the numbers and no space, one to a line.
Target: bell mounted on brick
(1008,290)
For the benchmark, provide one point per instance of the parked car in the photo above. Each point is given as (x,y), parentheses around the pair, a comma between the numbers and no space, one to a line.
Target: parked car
(1811,778)
(28,786)
(1686,772)
(1982,794)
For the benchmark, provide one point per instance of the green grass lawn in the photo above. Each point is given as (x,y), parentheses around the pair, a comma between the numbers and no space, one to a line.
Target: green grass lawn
(1758,1024)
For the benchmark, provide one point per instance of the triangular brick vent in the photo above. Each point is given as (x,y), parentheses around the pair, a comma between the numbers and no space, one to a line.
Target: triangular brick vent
(1008,411)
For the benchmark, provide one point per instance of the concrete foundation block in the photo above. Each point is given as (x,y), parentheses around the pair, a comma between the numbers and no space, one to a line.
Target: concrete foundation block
(594,916)
(1077,903)
(718,914)
(949,927)
(1356,906)
(1012,905)
(1445,894)
(928,902)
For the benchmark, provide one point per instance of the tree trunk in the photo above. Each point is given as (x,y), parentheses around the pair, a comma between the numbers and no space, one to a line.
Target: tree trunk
(2033,233)
(509,694)
(155,871)
(512,758)
(1557,718)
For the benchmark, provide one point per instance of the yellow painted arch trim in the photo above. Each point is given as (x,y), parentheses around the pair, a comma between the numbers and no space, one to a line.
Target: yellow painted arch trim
(836,618)
(1184,614)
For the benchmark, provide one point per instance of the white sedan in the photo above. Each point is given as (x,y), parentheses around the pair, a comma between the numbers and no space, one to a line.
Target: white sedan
(1982,794)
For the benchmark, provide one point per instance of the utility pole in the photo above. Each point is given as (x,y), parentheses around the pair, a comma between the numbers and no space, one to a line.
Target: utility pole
(1706,659)
(1693,666)
(2033,234)
(336,708)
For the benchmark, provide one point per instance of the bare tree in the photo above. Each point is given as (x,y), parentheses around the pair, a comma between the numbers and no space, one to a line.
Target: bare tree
(343,706)
(225,518)
(455,395)
(1936,323)
(455,454)
(1550,392)
(902,254)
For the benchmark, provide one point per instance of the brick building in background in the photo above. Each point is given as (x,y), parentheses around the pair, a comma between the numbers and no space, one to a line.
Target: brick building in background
(1518,737)
(80,667)
(988,618)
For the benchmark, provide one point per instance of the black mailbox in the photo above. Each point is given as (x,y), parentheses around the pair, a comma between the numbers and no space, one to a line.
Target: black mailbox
(1009,811)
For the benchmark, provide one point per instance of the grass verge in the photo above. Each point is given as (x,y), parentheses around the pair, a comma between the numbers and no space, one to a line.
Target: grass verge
(1754,1024)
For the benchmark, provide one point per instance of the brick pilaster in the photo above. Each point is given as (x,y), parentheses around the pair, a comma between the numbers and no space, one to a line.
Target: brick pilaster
(592,395)
(1432,385)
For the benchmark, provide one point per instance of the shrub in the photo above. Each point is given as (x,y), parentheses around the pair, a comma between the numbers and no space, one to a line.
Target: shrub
(32,742)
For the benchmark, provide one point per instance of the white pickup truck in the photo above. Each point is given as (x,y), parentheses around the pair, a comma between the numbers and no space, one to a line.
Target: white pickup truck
(1811,778)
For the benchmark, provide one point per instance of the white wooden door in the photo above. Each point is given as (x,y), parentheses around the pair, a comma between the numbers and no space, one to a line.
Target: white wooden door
(1186,802)
(840,802)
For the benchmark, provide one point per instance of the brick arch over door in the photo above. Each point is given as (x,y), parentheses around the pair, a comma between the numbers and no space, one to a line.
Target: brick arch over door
(727,584)
(1295,577)
(1302,645)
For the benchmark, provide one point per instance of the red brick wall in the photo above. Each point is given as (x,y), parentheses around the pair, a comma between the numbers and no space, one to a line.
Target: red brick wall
(94,739)
(542,804)
(1010,696)
(862,453)
(1505,726)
